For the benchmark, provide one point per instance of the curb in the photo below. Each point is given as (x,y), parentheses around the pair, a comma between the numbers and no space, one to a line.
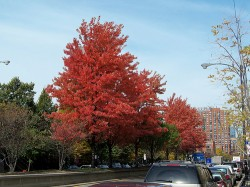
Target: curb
(241,181)
(48,180)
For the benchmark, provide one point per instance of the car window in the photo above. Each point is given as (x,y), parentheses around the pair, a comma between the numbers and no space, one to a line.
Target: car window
(224,170)
(217,177)
(234,165)
(173,174)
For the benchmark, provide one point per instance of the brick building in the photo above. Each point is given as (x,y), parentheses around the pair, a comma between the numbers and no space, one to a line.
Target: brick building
(217,130)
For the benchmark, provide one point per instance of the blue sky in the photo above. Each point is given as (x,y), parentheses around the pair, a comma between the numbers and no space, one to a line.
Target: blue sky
(170,37)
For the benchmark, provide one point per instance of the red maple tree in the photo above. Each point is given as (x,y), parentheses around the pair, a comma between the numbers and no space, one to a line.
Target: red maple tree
(102,89)
(187,121)
(148,106)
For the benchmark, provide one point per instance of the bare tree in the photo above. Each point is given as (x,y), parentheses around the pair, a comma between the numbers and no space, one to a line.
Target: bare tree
(232,65)
(13,124)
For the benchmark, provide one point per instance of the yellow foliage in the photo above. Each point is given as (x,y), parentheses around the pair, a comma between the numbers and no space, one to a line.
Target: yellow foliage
(219,152)
(226,22)
(246,50)
(215,32)
(211,76)
(171,156)
(81,148)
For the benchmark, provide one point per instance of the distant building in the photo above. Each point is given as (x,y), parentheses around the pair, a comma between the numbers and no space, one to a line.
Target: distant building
(217,130)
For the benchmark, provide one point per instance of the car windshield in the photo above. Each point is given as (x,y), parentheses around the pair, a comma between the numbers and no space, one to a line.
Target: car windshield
(231,164)
(224,170)
(173,174)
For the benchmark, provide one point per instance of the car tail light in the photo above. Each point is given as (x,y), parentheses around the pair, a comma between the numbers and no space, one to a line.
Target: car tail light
(227,177)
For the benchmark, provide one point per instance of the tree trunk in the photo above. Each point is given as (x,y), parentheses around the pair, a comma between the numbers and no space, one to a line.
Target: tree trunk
(61,161)
(62,156)
(30,161)
(176,154)
(136,153)
(167,153)
(110,154)
(93,148)
(152,152)
(10,160)
(12,168)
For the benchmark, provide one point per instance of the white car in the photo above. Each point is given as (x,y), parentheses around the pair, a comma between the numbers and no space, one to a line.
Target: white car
(231,170)
(236,167)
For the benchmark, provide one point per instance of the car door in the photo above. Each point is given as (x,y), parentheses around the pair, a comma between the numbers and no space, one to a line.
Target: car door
(209,178)
(206,177)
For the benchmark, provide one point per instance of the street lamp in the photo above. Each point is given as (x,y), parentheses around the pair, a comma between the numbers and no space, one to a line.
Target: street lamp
(206,65)
(6,62)
(241,71)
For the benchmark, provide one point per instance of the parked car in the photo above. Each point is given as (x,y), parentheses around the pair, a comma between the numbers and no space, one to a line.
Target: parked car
(126,166)
(226,171)
(103,166)
(241,165)
(85,166)
(180,173)
(73,167)
(246,164)
(129,184)
(116,165)
(236,168)
(232,174)
(221,179)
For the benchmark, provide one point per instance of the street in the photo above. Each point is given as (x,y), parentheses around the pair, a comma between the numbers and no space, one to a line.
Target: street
(97,182)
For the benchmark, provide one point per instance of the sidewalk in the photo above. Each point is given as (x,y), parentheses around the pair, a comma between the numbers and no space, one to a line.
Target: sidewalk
(245,182)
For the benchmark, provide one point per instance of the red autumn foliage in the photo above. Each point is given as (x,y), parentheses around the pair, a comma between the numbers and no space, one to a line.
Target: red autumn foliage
(100,91)
(143,96)
(61,129)
(187,121)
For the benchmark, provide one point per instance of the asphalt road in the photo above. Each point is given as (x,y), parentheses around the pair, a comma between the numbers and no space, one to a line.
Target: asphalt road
(97,182)
(238,183)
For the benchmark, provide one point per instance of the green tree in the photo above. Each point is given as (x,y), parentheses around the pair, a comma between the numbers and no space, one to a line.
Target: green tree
(39,130)
(172,139)
(44,106)
(18,92)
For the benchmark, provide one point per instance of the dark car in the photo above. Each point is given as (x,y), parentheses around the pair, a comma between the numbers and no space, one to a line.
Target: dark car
(129,184)
(180,173)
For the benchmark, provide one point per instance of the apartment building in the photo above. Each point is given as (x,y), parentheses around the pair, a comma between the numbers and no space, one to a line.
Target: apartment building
(217,130)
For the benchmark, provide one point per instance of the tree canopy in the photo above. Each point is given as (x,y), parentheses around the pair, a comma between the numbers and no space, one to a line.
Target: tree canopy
(18,92)
(188,122)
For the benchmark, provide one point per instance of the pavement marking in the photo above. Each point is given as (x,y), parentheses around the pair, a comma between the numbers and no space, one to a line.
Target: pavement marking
(88,183)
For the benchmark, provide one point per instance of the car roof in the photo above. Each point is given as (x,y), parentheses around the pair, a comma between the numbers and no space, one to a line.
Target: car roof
(226,166)
(169,162)
(130,184)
